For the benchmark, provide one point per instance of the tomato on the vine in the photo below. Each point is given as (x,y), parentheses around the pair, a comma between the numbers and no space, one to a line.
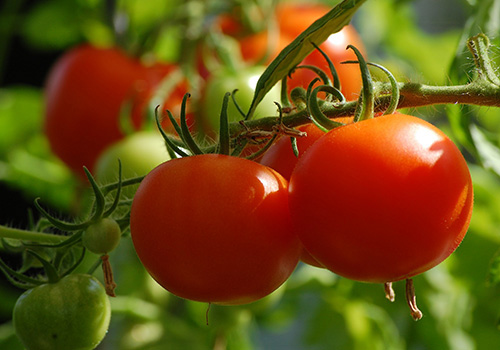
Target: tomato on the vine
(381,200)
(245,80)
(280,155)
(102,236)
(86,92)
(215,228)
(73,313)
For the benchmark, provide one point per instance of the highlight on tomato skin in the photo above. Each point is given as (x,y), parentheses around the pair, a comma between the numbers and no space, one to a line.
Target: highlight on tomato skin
(398,204)
(215,229)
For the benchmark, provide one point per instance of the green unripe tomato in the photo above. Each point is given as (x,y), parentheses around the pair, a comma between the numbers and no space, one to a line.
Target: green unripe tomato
(245,81)
(139,153)
(102,237)
(73,313)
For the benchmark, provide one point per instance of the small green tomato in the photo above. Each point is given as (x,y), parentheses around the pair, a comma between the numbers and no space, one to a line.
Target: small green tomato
(73,313)
(139,153)
(245,81)
(102,236)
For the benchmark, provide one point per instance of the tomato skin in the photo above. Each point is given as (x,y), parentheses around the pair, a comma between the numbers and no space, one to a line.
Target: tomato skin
(139,153)
(73,313)
(281,158)
(84,94)
(215,228)
(280,155)
(245,81)
(156,73)
(383,199)
(102,236)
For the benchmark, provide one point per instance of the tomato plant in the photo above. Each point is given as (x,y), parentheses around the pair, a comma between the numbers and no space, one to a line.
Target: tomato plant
(292,19)
(227,80)
(381,200)
(73,313)
(214,228)
(87,91)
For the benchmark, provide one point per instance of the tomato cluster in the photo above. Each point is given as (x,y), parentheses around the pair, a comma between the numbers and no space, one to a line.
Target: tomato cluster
(379,200)
(376,201)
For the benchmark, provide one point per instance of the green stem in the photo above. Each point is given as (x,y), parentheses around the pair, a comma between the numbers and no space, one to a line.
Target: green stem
(32,236)
(479,47)
(479,93)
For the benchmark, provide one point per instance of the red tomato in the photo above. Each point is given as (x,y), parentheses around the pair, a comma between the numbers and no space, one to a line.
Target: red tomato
(280,155)
(215,228)
(381,200)
(156,75)
(85,93)
(281,158)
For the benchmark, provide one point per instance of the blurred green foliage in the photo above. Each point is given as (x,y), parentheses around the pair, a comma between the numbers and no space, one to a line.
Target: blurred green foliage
(315,309)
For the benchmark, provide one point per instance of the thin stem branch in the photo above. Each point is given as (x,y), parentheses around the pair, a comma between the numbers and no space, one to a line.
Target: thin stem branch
(32,236)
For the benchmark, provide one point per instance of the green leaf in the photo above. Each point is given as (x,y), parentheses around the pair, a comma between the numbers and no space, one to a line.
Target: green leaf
(20,116)
(494,272)
(52,24)
(488,152)
(302,46)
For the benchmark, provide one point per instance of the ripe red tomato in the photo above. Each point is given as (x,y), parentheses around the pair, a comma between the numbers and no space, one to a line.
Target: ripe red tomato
(281,158)
(381,200)
(280,155)
(215,228)
(157,74)
(85,92)
(293,19)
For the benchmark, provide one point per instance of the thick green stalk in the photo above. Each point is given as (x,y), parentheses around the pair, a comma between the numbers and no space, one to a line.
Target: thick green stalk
(479,93)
